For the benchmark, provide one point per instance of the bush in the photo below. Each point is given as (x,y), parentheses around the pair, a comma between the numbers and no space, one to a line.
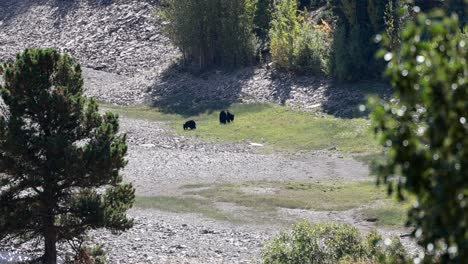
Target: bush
(312,50)
(89,255)
(353,49)
(296,44)
(99,254)
(284,30)
(389,251)
(212,32)
(331,243)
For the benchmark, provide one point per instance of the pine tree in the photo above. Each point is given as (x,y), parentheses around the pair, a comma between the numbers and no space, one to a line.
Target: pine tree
(55,151)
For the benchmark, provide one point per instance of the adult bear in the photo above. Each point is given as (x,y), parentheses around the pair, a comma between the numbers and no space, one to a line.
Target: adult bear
(222,117)
(229,117)
(190,125)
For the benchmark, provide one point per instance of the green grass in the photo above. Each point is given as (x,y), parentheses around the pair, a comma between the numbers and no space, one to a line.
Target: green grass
(195,186)
(141,112)
(390,214)
(321,196)
(278,128)
(259,201)
(183,205)
(370,158)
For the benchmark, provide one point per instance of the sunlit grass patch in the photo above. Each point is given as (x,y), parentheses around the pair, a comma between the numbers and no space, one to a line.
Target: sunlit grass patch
(318,196)
(183,205)
(390,214)
(276,127)
(259,202)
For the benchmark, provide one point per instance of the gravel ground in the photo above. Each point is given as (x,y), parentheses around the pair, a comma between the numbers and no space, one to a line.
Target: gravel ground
(160,237)
(160,162)
(127,59)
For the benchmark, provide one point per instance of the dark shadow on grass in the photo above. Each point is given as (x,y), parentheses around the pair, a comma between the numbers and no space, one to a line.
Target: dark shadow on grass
(178,91)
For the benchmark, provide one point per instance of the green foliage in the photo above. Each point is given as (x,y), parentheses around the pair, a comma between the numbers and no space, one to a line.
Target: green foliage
(55,150)
(330,243)
(393,21)
(319,243)
(312,50)
(425,131)
(375,11)
(285,28)
(388,251)
(262,19)
(353,48)
(98,254)
(88,255)
(296,44)
(212,32)
(459,7)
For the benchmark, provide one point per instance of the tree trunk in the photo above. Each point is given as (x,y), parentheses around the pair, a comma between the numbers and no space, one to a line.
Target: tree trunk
(50,239)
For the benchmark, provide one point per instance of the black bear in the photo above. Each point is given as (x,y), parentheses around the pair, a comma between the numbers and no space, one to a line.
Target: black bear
(222,117)
(190,125)
(229,117)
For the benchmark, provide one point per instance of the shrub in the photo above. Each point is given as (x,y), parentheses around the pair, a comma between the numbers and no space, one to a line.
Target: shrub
(284,31)
(331,243)
(212,32)
(389,251)
(99,254)
(89,255)
(353,49)
(312,50)
(297,44)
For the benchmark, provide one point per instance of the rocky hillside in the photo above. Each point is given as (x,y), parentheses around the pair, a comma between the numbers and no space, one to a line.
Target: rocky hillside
(122,37)
(128,60)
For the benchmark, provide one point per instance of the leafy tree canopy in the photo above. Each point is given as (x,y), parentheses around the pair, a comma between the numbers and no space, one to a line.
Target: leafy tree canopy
(425,130)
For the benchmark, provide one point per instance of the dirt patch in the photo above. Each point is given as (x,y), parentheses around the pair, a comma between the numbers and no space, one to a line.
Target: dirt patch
(259,190)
